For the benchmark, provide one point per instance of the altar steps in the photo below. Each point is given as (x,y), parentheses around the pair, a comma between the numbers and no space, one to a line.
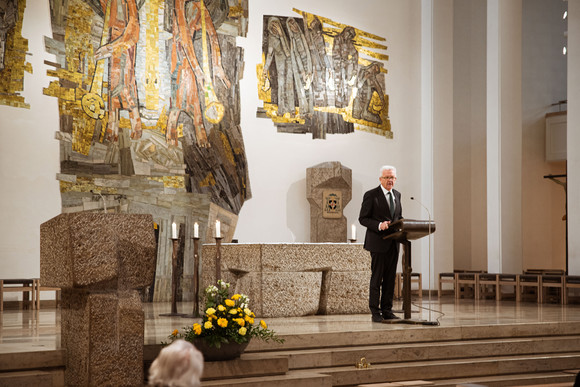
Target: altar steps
(506,355)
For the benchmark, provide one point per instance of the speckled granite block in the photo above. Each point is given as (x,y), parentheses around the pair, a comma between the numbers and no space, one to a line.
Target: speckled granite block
(321,179)
(306,256)
(97,250)
(291,294)
(99,260)
(257,269)
(349,292)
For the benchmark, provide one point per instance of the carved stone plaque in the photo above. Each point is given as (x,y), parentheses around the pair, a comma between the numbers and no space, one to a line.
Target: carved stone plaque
(332,200)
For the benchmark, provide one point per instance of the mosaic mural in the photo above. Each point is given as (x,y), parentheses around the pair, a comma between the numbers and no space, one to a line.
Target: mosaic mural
(150,88)
(13,51)
(149,106)
(320,76)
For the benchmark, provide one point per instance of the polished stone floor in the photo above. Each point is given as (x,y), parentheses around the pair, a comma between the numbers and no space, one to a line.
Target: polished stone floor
(24,330)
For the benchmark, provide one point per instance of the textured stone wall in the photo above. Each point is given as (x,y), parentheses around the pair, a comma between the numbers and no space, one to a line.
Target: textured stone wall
(295,279)
(328,190)
(100,261)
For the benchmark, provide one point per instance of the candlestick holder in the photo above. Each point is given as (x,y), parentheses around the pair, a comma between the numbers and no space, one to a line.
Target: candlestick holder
(174,280)
(218,258)
(195,312)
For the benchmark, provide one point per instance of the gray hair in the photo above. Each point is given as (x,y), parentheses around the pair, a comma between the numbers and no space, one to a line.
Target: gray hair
(387,168)
(177,365)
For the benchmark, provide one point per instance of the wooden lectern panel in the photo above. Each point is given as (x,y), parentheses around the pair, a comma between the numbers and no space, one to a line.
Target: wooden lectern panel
(409,229)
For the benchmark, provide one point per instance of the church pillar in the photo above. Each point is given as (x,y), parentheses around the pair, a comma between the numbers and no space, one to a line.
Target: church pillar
(504,136)
(436,139)
(573,137)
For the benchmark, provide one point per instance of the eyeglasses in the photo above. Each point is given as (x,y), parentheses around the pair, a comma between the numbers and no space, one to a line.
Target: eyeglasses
(388,177)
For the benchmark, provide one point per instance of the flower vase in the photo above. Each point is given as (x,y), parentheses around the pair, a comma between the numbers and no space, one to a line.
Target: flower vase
(227,351)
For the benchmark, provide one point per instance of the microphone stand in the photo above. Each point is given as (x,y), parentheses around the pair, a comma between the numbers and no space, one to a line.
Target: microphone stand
(429,253)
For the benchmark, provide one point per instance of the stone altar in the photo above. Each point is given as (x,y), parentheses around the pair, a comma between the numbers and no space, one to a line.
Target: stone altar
(100,261)
(294,279)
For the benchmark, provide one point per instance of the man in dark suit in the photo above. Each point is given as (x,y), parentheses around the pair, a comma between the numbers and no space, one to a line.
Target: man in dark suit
(380,207)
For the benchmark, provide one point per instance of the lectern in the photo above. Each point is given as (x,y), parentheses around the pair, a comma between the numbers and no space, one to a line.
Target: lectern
(404,231)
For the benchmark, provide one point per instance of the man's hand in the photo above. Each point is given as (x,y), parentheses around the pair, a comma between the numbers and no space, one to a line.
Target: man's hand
(384,225)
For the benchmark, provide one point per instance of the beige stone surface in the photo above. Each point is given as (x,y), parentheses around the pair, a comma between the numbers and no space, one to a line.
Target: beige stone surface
(291,294)
(286,279)
(324,178)
(102,250)
(99,261)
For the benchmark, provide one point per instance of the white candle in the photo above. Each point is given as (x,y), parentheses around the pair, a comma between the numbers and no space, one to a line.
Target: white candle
(218,233)
(196,230)
(173,230)
(353,232)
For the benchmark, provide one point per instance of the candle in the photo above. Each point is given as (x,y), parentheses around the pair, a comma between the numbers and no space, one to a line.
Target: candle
(218,233)
(173,231)
(196,230)
(353,232)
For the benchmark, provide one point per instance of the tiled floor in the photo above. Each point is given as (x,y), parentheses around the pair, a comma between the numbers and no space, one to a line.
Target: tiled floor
(40,330)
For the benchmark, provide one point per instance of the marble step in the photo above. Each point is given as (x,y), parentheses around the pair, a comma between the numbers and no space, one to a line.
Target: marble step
(290,379)
(414,334)
(330,357)
(458,368)
(245,368)
(15,361)
(32,378)
(549,378)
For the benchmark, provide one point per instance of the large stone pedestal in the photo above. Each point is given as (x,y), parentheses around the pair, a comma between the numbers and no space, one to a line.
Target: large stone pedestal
(100,261)
(328,190)
(294,279)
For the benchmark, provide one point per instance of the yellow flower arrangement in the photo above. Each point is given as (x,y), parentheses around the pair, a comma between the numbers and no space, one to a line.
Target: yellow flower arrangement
(227,319)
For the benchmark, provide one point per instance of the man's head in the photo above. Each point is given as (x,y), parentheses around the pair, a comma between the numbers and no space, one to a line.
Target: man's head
(388,176)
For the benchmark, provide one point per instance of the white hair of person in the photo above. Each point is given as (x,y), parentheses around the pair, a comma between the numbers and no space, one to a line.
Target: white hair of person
(178,365)
(387,168)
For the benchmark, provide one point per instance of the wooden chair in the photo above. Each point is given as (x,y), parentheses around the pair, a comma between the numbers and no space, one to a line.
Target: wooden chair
(416,279)
(552,282)
(465,283)
(511,280)
(488,285)
(446,278)
(24,286)
(39,288)
(570,282)
(526,281)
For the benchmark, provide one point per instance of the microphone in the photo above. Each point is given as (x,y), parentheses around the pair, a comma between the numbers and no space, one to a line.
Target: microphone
(422,205)
(104,202)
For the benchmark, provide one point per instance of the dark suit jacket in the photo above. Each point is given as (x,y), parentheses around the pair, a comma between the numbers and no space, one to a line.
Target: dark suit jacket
(375,210)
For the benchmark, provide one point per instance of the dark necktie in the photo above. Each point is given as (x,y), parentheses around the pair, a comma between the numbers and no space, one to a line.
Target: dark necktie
(391,204)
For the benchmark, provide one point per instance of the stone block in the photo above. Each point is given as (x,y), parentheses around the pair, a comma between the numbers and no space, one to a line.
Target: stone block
(90,249)
(328,190)
(294,279)
(291,294)
(99,260)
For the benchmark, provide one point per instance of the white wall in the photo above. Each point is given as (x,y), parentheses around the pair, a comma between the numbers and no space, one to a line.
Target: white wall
(279,210)
(29,158)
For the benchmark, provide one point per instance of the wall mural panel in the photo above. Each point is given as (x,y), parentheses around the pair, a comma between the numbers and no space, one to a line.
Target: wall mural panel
(148,96)
(13,51)
(319,76)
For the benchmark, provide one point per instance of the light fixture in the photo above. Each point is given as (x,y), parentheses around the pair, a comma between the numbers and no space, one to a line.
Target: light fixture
(565,15)
(564,50)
